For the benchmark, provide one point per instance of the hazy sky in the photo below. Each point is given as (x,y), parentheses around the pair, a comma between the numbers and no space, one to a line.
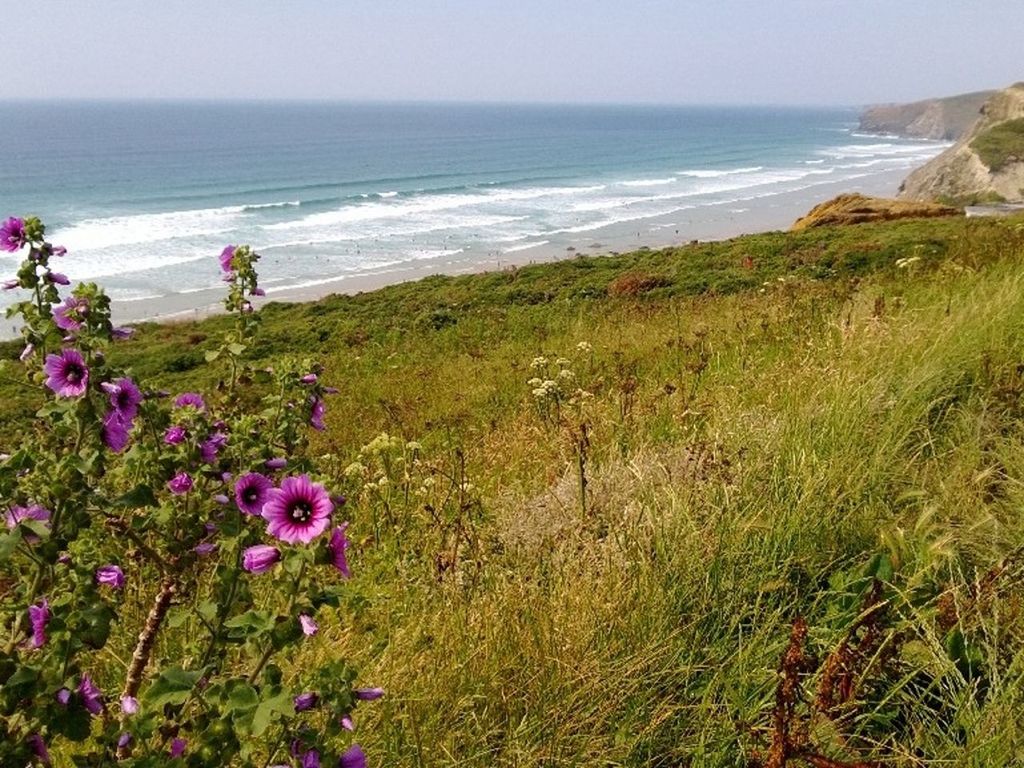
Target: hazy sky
(673,51)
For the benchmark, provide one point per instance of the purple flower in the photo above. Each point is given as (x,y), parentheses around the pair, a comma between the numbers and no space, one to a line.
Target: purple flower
(316,414)
(205,548)
(221,499)
(129,705)
(16,515)
(58,250)
(225,258)
(180,484)
(311,759)
(298,511)
(174,435)
(124,740)
(193,399)
(63,696)
(368,694)
(277,463)
(346,723)
(354,757)
(92,697)
(210,447)
(10,285)
(109,575)
(12,234)
(309,378)
(260,558)
(66,373)
(309,627)
(38,616)
(38,747)
(125,397)
(58,278)
(252,491)
(306,701)
(337,546)
(69,315)
(177,747)
(115,432)
(122,333)
(26,353)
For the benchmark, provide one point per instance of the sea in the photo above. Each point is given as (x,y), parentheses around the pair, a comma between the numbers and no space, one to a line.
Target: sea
(145,194)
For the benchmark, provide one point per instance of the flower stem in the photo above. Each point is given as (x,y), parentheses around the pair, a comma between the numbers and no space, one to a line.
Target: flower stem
(268,652)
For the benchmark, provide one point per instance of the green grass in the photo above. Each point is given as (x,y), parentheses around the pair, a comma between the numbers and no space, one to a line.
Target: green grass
(1001,144)
(759,435)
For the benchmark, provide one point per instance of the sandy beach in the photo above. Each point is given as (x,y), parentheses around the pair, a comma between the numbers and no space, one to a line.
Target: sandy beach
(708,222)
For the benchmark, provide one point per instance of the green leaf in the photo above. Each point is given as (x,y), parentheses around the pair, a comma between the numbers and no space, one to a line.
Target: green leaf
(8,544)
(94,625)
(38,527)
(139,496)
(252,622)
(212,355)
(268,711)
(172,687)
(236,349)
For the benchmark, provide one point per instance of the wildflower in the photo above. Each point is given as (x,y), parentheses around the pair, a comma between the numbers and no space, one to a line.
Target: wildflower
(277,463)
(16,515)
(337,546)
(26,353)
(124,740)
(316,414)
(190,399)
(177,747)
(66,373)
(538,362)
(92,697)
(69,315)
(12,234)
(38,747)
(109,575)
(354,757)
(368,694)
(58,278)
(129,705)
(174,435)
(309,378)
(260,558)
(311,759)
(38,616)
(346,723)
(58,250)
(122,333)
(10,285)
(180,484)
(309,627)
(205,548)
(63,697)
(210,447)
(252,491)
(305,701)
(125,397)
(114,432)
(298,511)
(221,499)
(226,257)
(584,347)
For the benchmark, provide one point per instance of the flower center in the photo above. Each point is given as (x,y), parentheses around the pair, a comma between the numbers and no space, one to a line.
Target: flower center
(251,495)
(301,512)
(73,373)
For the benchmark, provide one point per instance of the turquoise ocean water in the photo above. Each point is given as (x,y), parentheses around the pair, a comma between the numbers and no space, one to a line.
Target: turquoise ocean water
(146,194)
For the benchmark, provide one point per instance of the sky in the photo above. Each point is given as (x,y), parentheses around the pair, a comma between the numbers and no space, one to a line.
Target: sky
(806,52)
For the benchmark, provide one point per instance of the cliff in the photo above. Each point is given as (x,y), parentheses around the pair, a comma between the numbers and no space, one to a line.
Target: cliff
(941,119)
(986,164)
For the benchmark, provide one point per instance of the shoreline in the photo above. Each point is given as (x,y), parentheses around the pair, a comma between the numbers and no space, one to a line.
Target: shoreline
(716,221)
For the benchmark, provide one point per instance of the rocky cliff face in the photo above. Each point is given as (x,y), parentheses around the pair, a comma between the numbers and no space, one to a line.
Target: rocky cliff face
(986,164)
(941,119)
(859,209)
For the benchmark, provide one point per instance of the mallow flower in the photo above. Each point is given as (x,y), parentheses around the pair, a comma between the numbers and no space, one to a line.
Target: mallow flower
(12,234)
(39,616)
(110,576)
(67,374)
(298,511)
(260,558)
(226,256)
(337,546)
(70,315)
(180,484)
(92,697)
(125,397)
(252,491)
(353,757)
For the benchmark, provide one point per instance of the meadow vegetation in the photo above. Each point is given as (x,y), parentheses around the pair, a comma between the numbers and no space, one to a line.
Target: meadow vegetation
(1001,144)
(756,502)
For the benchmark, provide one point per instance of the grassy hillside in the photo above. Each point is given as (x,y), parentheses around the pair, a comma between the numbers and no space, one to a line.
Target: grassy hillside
(806,443)
(1001,144)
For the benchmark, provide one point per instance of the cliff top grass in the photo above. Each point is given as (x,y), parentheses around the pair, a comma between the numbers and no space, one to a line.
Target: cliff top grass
(1001,144)
(783,523)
